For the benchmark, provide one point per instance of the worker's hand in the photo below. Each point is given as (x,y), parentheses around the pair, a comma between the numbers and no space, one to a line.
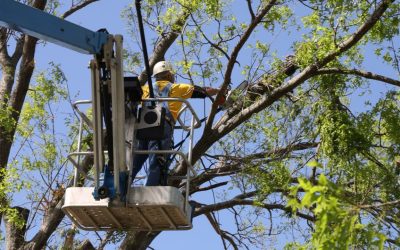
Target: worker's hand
(221,100)
(211,91)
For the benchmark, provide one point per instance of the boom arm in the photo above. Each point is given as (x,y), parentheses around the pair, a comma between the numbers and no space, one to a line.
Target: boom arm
(107,78)
(39,24)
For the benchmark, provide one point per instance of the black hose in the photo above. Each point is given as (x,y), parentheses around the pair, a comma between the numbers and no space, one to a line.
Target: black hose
(146,58)
(105,102)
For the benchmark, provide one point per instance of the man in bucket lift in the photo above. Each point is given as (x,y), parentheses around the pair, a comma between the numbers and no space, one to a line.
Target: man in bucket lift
(165,86)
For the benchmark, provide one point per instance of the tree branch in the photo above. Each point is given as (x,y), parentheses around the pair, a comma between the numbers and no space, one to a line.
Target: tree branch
(211,136)
(240,202)
(138,240)
(220,232)
(309,71)
(274,152)
(199,189)
(4,36)
(106,240)
(54,216)
(69,238)
(391,203)
(237,163)
(86,245)
(77,7)
(362,73)
(164,44)
(210,42)
(233,59)
(16,56)
(250,9)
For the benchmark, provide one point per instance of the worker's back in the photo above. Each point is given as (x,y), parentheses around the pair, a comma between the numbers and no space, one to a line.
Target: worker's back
(181,90)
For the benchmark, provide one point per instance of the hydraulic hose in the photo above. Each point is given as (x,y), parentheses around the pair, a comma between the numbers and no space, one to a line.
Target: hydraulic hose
(143,40)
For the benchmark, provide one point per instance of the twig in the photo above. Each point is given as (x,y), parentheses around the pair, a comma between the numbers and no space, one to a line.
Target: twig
(362,73)
(220,232)
(390,203)
(77,7)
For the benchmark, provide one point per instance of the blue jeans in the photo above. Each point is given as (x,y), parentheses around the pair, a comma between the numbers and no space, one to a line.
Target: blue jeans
(156,161)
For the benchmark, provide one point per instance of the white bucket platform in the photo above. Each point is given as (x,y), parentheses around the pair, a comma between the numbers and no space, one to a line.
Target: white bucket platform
(147,209)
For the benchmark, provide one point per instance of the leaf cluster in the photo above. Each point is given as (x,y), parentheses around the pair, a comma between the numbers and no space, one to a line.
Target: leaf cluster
(337,222)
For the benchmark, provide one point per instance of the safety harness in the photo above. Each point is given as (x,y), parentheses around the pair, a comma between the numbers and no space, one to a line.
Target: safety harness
(163,160)
(164,93)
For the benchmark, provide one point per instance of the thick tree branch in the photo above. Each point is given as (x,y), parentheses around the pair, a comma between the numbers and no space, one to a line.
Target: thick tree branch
(274,152)
(138,240)
(4,36)
(8,65)
(18,95)
(69,238)
(52,219)
(6,84)
(16,56)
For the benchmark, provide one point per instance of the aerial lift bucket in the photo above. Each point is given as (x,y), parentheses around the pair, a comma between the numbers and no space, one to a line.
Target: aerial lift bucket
(138,208)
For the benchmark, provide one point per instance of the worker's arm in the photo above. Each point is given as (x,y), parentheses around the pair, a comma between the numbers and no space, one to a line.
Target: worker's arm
(203,92)
(211,91)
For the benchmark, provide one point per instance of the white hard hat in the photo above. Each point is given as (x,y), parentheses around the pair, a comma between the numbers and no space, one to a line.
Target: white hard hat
(162,66)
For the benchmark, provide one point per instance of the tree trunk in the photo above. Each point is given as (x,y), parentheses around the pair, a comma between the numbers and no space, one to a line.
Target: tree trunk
(15,234)
(69,239)
(86,245)
(138,240)
(17,96)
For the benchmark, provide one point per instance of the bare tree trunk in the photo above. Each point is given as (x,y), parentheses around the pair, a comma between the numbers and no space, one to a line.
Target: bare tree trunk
(15,234)
(86,245)
(49,225)
(18,95)
(69,239)
(19,92)
(138,240)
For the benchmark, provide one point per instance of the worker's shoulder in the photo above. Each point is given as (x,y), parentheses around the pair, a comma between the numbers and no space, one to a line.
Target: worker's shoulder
(182,85)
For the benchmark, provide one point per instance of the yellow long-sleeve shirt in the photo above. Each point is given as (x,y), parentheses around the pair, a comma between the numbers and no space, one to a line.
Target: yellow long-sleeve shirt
(181,90)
